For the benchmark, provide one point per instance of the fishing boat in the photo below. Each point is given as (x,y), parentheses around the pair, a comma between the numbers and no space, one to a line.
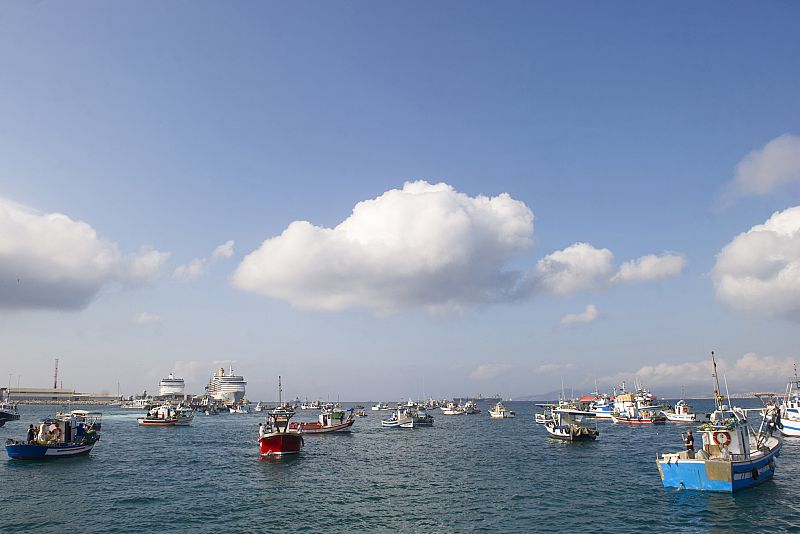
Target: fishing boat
(452,409)
(66,435)
(8,412)
(142,403)
(546,414)
(734,455)
(420,416)
(499,411)
(326,423)
(471,408)
(276,438)
(570,425)
(400,418)
(380,407)
(313,405)
(240,408)
(681,413)
(360,413)
(645,416)
(789,421)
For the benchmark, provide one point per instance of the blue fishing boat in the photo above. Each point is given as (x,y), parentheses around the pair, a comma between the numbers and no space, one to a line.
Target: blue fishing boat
(66,435)
(734,455)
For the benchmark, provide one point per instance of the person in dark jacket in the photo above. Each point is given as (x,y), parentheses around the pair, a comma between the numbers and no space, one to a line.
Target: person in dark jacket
(31,434)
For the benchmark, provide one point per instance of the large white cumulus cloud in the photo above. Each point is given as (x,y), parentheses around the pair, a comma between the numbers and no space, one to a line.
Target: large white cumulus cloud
(48,260)
(759,271)
(422,245)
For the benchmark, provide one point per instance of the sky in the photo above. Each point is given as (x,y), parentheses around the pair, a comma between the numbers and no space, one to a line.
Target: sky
(383,200)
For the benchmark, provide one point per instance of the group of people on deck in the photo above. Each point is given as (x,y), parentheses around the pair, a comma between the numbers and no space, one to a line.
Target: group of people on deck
(55,432)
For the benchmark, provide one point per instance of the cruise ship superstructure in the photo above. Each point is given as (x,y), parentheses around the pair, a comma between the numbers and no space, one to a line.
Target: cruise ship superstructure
(171,386)
(228,388)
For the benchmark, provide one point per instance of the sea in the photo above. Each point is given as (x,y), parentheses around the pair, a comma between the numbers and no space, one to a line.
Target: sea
(467,473)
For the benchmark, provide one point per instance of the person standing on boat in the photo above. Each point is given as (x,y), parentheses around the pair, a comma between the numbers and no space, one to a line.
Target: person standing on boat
(689,441)
(31,434)
(261,430)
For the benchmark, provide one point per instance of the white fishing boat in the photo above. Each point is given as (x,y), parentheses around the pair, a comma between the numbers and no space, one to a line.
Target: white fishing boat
(380,407)
(499,411)
(313,405)
(734,455)
(240,408)
(789,421)
(471,407)
(259,407)
(400,418)
(452,409)
(571,425)
(681,413)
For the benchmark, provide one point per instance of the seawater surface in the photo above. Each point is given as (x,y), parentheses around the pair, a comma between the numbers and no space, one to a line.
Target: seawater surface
(466,473)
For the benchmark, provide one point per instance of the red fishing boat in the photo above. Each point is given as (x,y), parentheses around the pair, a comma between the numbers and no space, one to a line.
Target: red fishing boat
(276,438)
(327,422)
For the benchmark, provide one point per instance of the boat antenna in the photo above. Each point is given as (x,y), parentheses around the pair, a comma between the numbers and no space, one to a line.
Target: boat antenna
(563,397)
(715,382)
(280,391)
(727,393)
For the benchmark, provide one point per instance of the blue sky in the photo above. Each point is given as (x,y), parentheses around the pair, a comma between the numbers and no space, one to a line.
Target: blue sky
(182,125)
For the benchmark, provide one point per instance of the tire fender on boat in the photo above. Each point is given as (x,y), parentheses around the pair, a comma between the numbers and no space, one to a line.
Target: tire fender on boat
(722,438)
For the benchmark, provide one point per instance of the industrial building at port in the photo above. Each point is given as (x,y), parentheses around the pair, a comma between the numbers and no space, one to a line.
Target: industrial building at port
(55,395)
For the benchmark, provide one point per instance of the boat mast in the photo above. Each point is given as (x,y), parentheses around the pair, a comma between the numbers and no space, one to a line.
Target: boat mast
(715,382)
(280,391)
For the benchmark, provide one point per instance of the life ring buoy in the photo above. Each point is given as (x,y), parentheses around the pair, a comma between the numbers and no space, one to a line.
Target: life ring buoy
(722,438)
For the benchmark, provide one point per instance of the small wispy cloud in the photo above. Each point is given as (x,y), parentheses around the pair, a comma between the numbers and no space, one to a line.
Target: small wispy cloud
(586,316)
(199,266)
(550,368)
(487,371)
(225,250)
(146,318)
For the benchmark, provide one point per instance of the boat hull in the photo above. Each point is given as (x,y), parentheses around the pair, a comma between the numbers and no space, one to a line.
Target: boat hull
(24,451)
(157,422)
(680,418)
(316,428)
(408,423)
(639,420)
(280,444)
(564,433)
(717,475)
(790,428)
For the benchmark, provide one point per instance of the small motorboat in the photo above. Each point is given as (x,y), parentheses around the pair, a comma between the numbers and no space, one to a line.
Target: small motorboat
(499,411)
(360,413)
(570,425)
(734,455)
(167,415)
(66,435)
(259,407)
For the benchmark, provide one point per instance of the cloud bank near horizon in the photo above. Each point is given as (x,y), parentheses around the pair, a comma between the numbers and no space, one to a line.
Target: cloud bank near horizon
(50,261)
(430,246)
(750,371)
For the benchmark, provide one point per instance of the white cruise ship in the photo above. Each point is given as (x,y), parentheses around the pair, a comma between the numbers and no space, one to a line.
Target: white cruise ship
(171,386)
(228,388)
